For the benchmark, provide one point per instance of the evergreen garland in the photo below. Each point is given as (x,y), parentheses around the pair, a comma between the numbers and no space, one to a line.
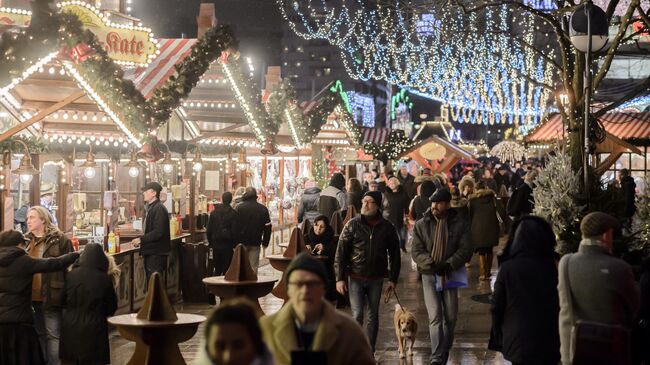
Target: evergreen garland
(397,144)
(206,149)
(35,145)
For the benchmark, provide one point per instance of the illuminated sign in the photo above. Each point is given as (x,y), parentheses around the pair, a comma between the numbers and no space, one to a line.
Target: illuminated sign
(10,18)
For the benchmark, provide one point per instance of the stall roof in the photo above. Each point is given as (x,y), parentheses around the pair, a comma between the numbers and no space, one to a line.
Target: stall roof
(619,124)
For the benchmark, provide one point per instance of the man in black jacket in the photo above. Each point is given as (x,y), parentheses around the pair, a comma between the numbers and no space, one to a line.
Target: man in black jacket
(254,226)
(366,248)
(222,234)
(154,243)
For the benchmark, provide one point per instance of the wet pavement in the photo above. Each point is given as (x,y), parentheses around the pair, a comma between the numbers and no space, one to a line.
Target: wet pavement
(472,329)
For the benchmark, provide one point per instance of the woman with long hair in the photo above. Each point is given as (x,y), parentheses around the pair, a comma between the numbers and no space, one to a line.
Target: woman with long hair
(354,193)
(320,241)
(45,241)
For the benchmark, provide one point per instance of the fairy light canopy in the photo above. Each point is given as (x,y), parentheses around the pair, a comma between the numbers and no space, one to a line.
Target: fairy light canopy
(486,77)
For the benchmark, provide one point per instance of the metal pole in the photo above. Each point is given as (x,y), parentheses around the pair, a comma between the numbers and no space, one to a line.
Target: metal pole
(587,86)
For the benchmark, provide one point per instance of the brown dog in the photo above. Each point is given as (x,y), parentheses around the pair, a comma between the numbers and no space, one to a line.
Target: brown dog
(405,329)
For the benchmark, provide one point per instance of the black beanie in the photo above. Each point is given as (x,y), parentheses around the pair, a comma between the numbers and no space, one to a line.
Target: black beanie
(441,195)
(226,198)
(304,261)
(427,188)
(11,237)
(376,196)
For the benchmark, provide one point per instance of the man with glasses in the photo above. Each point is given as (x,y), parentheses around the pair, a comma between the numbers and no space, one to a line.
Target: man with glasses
(309,329)
(367,247)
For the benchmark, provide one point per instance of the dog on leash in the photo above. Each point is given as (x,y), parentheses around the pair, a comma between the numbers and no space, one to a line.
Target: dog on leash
(405,329)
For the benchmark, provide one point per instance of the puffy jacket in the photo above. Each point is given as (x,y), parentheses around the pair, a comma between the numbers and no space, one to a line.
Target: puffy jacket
(254,222)
(223,226)
(309,205)
(16,272)
(367,251)
(89,299)
(56,244)
(156,238)
(458,250)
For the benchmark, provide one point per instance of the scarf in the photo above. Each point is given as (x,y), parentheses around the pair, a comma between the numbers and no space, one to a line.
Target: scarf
(439,239)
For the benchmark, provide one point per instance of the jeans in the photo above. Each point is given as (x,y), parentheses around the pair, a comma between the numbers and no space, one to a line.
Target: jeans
(47,323)
(253,253)
(442,309)
(155,263)
(362,292)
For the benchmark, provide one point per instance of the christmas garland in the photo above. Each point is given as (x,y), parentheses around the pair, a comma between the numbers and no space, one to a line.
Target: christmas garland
(206,149)
(34,144)
(397,144)
(188,73)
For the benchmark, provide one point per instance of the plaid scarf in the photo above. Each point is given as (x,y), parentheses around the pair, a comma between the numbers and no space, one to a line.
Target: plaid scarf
(439,240)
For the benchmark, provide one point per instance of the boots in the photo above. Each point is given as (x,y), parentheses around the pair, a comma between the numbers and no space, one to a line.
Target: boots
(481,267)
(488,265)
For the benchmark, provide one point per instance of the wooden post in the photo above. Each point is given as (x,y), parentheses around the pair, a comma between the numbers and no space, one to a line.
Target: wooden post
(192,216)
(35,185)
(281,219)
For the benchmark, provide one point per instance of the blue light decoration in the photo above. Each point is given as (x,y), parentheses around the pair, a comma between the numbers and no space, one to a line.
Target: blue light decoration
(487,77)
(363,106)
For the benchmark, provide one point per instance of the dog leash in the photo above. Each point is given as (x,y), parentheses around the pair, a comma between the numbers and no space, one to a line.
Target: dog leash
(387,298)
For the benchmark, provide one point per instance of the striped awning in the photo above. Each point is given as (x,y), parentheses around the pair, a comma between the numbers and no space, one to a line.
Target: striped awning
(375,135)
(621,125)
(172,52)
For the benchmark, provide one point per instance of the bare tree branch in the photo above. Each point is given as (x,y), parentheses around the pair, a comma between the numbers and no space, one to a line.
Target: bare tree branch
(611,7)
(609,57)
(644,16)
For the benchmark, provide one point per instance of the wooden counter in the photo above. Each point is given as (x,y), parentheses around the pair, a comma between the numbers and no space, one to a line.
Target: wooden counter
(132,285)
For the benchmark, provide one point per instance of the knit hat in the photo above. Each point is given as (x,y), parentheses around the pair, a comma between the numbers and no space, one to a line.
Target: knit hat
(376,196)
(441,195)
(304,261)
(596,223)
(11,237)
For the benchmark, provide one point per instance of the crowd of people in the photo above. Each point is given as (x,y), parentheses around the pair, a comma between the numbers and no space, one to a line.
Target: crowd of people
(545,310)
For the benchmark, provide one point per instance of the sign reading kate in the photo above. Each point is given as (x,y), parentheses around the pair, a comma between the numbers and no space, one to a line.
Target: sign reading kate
(123,43)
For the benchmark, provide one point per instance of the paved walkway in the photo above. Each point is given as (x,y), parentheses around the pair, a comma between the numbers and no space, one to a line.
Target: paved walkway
(472,330)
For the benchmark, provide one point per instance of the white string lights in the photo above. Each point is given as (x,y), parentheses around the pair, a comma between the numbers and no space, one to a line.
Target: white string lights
(486,76)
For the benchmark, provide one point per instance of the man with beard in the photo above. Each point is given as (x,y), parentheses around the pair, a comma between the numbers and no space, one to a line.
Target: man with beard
(366,248)
(441,245)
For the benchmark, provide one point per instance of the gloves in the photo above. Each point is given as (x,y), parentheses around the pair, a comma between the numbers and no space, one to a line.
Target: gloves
(442,268)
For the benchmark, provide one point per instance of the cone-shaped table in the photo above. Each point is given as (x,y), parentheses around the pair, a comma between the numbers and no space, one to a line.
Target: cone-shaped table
(157,329)
(240,280)
(281,262)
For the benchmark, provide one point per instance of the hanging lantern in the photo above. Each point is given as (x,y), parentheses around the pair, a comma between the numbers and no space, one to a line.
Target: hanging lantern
(89,165)
(149,152)
(133,165)
(269,148)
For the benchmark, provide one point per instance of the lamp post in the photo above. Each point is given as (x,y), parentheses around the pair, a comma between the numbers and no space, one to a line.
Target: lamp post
(589,31)
(25,170)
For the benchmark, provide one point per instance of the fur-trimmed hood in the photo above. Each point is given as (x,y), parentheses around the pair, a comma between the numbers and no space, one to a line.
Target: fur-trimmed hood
(466,181)
(481,193)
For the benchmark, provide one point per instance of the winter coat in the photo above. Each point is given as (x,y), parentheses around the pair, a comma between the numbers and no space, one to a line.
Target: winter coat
(254,222)
(628,188)
(419,205)
(408,183)
(491,184)
(502,180)
(602,290)
(326,239)
(89,299)
(156,237)
(331,200)
(337,334)
(459,248)
(368,251)
(398,206)
(223,227)
(483,219)
(525,302)
(308,207)
(354,198)
(521,202)
(56,244)
(16,271)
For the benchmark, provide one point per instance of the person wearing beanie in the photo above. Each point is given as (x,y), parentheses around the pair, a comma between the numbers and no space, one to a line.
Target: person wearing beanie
(309,323)
(397,209)
(18,337)
(595,286)
(367,246)
(421,203)
(222,233)
(333,198)
(254,226)
(441,244)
